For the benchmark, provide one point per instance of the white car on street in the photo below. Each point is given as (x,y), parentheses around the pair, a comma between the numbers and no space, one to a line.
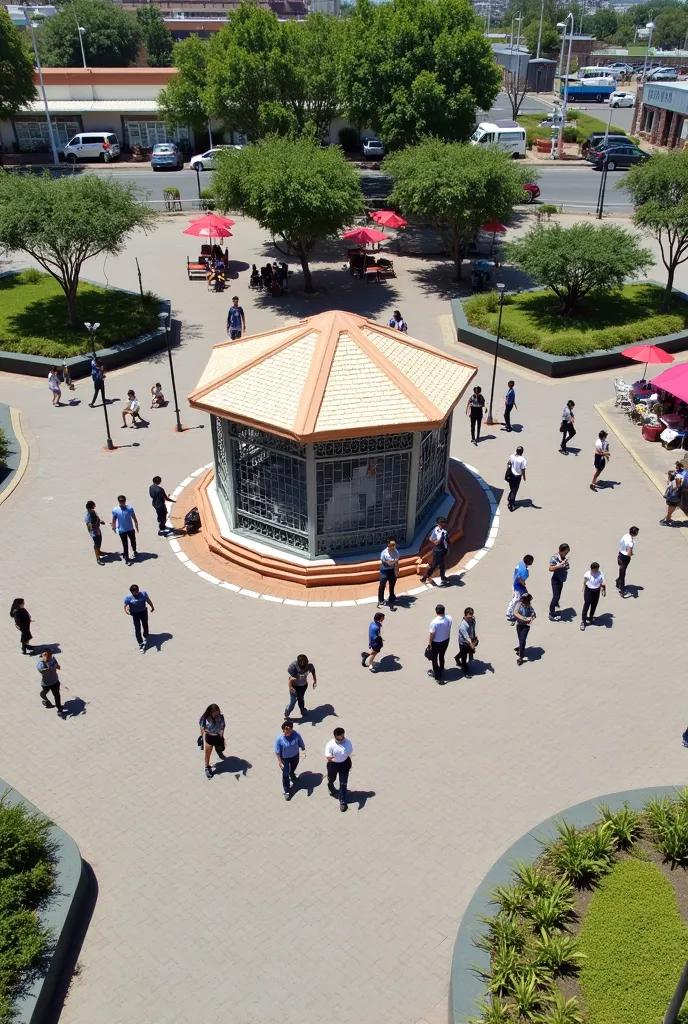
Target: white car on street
(622,99)
(373,147)
(205,161)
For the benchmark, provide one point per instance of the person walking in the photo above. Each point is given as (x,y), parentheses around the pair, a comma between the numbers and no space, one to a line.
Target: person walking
(516,472)
(559,569)
(135,605)
(236,321)
(509,404)
(672,496)
(566,427)
(438,641)
(50,682)
(287,747)
(375,642)
(397,321)
(593,586)
(93,525)
(338,755)
(474,407)
(159,497)
(54,385)
(439,539)
(521,574)
(389,570)
(626,552)
(125,523)
(468,641)
(524,613)
(602,456)
(212,726)
(298,684)
(98,378)
(22,621)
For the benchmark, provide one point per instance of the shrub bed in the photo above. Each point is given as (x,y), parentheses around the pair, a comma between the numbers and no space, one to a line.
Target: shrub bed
(605,321)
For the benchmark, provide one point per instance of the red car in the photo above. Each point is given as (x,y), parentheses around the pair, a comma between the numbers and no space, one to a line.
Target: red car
(532,193)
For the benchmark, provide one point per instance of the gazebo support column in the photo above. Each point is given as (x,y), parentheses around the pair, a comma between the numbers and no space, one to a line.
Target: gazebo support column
(312,501)
(413,489)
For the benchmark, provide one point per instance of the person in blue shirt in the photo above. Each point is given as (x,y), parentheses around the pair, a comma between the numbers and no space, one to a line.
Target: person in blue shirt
(98,378)
(48,667)
(135,605)
(287,747)
(374,642)
(521,574)
(125,523)
(236,321)
(509,404)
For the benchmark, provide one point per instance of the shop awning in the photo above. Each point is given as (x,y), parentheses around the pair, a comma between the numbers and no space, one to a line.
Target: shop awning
(92,106)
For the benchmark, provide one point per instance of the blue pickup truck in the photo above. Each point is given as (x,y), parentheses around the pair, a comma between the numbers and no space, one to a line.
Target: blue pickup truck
(595,90)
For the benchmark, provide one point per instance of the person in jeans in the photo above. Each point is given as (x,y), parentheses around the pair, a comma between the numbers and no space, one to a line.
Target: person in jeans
(475,406)
(559,569)
(125,523)
(439,539)
(287,747)
(468,641)
(524,614)
(22,621)
(389,570)
(517,472)
(93,525)
(298,684)
(593,585)
(509,404)
(438,640)
(50,682)
(521,574)
(98,378)
(159,497)
(236,321)
(566,427)
(374,642)
(212,726)
(135,605)
(338,755)
(626,552)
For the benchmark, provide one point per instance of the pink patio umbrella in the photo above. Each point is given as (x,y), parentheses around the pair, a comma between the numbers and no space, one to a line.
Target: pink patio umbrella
(389,219)
(493,227)
(647,354)
(675,381)
(208,226)
(215,219)
(364,236)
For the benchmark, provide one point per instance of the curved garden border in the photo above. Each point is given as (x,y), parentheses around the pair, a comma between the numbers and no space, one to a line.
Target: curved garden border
(558,366)
(80,366)
(61,915)
(466,986)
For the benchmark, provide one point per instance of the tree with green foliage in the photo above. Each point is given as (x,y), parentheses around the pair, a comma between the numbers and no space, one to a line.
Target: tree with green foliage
(182,103)
(457,187)
(578,260)
(413,68)
(671,26)
(293,188)
(16,68)
(112,35)
(63,222)
(550,41)
(603,24)
(659,190)
(156,36)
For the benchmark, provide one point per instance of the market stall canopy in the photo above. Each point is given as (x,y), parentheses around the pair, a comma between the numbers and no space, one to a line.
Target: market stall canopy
(389,219)
(675,381)
(332,375)
(363,236)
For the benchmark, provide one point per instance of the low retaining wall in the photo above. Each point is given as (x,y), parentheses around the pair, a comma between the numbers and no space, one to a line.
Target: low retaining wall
(61,915)
(557,366)
(466,987)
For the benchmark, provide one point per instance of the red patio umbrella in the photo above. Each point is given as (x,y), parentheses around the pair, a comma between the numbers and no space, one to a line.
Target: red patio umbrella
(388,218)
(494,227)
(215,219)
(364,236)
(675,381)
(647,354)
(208,226)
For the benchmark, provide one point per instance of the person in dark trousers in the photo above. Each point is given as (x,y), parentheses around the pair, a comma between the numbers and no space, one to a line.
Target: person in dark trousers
(559,569)
(468,641)
(475,406)
(524,614)
(517,472)
(509,404)
(439,539)
(22,621)
(50,682)
(125,523)
(593,586)
(438,640)
(298,684)
(93,525)
(338,754)
(602,456)
(374,642)
(158,497)
(236,321)
(98,378)
(521,574)
(626,552)
(566,427)
(389,570)
(135,605)
(212,726)
(287,747)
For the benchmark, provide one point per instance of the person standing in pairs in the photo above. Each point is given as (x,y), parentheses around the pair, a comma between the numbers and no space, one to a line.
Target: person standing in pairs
(438,640)
(672,496)
(559,568)
(338,757)
(517,472)
(626,552)
(566,427)
(521,574)
(397,322)
(287,747)
(593,586)
(474,407)
(509,404)
(602,457)
(93,525)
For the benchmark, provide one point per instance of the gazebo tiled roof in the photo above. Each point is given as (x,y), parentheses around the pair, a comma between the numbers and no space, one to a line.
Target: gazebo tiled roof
(332,375)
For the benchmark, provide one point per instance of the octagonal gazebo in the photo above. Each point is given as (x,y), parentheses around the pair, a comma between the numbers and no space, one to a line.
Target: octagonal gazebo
(329,435)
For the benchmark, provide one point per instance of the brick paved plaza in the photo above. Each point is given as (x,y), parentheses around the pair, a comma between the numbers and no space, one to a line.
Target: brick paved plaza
(216,899)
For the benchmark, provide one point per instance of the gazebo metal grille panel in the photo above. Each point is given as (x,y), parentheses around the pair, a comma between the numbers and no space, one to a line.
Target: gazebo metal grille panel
(261,437)
(362,445)
(432,468)
(270,493)
(219,429)
(273,533)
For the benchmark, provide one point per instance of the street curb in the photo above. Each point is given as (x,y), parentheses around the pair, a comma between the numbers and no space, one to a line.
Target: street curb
(15,418)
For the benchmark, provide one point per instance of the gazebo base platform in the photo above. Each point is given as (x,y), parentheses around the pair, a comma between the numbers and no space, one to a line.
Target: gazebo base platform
(254,568)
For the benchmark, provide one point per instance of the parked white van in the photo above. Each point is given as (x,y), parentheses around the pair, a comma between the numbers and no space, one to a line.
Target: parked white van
(92,146)
(508,135)
(600,71)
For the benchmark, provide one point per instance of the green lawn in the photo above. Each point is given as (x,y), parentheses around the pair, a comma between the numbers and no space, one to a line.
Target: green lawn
(33,316)
(532,320)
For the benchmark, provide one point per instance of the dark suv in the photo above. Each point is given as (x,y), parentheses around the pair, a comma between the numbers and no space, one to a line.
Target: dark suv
(617,156)
(595,138)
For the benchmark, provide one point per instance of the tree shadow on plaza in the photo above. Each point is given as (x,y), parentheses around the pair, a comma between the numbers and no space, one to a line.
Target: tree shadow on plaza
(236,766)
(50,1013)
(335,289)
(307,781)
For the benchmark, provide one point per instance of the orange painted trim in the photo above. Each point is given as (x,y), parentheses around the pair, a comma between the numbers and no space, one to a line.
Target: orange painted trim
(107,76)
(318,375)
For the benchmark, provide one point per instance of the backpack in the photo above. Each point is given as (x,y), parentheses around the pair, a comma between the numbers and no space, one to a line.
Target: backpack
(192,520)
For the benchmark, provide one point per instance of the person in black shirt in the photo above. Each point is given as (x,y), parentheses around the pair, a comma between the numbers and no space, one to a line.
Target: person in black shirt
(475,406)
(22,621)
(158,499)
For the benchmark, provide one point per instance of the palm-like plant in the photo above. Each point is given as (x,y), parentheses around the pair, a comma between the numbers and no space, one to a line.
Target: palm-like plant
(532,880)
(506,965)
(575,855)
(625,824)
(560,1010)
(669,825)
(525,992)
(511,898)
(502,929)
(600,842)
(494,1012)
(558,953)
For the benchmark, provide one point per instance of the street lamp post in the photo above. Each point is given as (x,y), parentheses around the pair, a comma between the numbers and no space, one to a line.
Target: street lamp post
(164,322)
(542,14)
(92,328)
(82,33)
(560,145)
(30,24)
(500,289)
(198,179)
(651,27)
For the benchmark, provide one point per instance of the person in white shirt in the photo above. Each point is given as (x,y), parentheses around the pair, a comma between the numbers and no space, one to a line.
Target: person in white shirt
(440,545)
(54,385)
(338,754)
(132,408)
(389,570)
(602,455)
(567,428)
(626,552)
(438,641)
(593,586)
(517,472)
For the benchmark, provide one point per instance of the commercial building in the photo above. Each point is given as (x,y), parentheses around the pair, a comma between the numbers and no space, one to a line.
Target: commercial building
(661,114)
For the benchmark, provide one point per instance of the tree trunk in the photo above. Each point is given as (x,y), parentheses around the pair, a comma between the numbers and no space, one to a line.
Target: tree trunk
(307,278)
(70,288)
(667,291)
(457,255)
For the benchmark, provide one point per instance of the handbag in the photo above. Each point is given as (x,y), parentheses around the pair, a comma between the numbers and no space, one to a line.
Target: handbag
(199,741)
(562,426)
(508,474)
(428,652)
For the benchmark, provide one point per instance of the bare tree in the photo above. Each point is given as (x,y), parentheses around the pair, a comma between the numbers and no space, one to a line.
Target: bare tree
(516,87)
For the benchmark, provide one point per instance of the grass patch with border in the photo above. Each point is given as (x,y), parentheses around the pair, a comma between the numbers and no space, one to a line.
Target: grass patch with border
(584,126)
(34,317)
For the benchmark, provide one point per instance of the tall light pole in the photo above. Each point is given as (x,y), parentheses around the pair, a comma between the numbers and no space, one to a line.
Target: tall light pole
(500,289)
(82,32)
(32,26)
(651,27)
(164,322)
(542,14)
(560,143)
(92,328)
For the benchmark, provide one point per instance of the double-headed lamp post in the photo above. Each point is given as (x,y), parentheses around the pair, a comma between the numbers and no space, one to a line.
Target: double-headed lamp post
(650,28)
(500,289)
(82,32)
(564,25)
(164,322)
(92,328)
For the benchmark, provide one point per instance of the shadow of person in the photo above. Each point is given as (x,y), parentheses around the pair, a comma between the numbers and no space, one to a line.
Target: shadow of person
(157,640)
(527,503)
(534,653)
(359,796)
(402,601)
(307,780)
(479,668)
(606,620)
(567,614)
(143,556)
(316,715)
(632,590)
(388,663)
(608,484)
(236,766)
(74,707)
(39,648)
